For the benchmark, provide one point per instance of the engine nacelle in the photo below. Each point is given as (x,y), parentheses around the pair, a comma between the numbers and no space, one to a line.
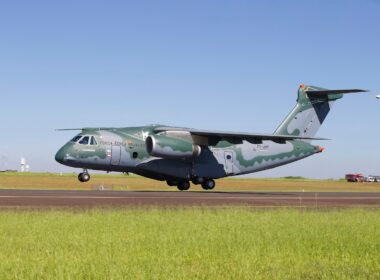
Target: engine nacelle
(169,147)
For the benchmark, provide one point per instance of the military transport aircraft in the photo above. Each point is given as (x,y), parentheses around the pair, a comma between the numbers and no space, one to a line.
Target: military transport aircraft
(179,155)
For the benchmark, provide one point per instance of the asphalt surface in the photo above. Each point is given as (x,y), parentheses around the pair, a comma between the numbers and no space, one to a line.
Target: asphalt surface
(91,199)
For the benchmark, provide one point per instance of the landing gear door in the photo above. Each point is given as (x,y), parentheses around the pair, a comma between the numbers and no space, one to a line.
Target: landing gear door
(229,162)
(115,155)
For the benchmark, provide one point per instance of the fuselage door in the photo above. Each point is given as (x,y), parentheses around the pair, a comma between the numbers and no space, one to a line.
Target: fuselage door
(115,155)
(229,162)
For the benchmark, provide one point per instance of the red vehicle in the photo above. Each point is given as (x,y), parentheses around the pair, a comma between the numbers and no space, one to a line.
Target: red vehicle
(354,177)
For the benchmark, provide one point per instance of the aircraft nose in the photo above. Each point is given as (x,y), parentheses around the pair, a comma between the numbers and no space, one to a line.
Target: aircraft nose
(60,155)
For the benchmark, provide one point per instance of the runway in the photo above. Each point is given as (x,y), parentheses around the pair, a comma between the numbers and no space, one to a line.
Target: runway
(90,199)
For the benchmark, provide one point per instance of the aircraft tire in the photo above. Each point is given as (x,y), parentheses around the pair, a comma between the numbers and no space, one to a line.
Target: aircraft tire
(84,177)
(80,177)
(183,186)
(208,184)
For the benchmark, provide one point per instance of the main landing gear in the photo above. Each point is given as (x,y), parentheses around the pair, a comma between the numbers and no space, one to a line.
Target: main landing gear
(183,186)
(208,184)
(84,176)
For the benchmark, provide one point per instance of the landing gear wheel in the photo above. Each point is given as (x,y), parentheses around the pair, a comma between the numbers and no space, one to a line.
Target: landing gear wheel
(80,177)
(183,186)
(84,177)
(208,184)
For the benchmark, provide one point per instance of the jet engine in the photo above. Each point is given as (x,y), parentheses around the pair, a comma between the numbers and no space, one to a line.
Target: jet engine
(169,147)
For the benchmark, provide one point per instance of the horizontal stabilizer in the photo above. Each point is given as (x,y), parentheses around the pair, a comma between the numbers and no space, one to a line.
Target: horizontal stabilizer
(334,91)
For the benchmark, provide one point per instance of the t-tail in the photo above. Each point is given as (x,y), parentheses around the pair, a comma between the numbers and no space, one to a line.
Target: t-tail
(313,105)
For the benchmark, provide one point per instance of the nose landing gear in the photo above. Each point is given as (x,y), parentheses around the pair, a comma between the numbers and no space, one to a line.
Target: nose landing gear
(84,176)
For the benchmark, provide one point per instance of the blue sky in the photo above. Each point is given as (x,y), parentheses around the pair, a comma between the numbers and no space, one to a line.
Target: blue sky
(229,65)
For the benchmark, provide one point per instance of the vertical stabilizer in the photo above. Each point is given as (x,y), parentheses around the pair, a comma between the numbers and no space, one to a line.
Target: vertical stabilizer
(313,105)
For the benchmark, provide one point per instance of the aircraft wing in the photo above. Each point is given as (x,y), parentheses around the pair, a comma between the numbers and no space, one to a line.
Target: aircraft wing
(213,137)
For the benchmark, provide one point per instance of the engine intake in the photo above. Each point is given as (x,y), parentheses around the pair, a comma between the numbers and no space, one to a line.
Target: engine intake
(169,147)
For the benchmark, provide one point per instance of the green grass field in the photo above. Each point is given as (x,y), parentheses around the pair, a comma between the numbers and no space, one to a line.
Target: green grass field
(232,243)
(117,181)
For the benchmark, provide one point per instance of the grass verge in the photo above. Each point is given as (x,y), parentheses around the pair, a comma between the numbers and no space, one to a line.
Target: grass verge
(231,243)
(124,182)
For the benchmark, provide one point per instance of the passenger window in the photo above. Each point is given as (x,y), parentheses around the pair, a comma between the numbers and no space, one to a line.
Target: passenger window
(76,138)
(84,140)
(93,141)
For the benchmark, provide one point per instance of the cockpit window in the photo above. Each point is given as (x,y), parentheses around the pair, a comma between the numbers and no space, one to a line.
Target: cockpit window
(93,141)
(84,140)
(76,138)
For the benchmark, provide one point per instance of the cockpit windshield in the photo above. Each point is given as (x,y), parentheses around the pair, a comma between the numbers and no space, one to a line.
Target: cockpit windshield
(76,138)
(84,140)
